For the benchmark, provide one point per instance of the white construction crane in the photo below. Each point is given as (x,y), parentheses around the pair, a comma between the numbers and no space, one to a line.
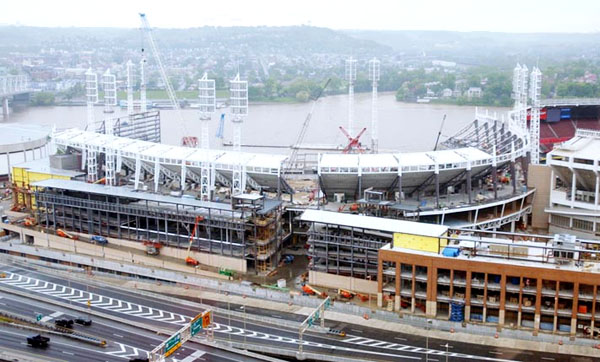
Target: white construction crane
(374,76)
(148,31)
(296,146)
(535,90)
(238,94)
(351,78)
(143,105)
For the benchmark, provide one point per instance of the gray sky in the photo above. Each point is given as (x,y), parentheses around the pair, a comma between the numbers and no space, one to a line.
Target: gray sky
(460,15)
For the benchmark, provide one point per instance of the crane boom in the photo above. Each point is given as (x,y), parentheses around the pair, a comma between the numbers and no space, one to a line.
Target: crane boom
(304,128)
(161,68)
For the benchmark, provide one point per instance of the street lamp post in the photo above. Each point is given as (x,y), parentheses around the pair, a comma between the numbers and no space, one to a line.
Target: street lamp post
(243,308)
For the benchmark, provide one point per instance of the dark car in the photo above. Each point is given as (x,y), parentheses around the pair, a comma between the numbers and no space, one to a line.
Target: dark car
(38,341)
(139,360)
(65,323)
(84,321)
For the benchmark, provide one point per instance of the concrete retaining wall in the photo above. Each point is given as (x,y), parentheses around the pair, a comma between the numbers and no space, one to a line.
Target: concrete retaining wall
(339,281)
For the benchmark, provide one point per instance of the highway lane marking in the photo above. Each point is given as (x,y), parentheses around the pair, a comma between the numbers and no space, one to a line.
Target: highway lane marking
(496,353)
(356,330)
(192,357)
(17,280)
(51,316)
(401,339)
(66,352)
(117,335)
(444,345)
(547,358)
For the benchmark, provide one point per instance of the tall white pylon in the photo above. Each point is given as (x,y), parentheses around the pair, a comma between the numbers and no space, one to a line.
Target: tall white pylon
(91,92)
(374,76)
(535,92)
(130,82)
(143,107)
(238,93)
(351,78)
(109,84)
(524,96)
(207,99)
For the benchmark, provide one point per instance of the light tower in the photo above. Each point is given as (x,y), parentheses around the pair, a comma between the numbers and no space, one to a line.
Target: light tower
(130,81)
(207,99)
(524,95)
(516,93)
(374,75)
(351,78)
(238,94)
(109,84)
(143,107)
(535,90)
(91,93)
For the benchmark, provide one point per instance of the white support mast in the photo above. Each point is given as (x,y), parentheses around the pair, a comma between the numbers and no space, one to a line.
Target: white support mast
(238,93)
(374,76)
(351,78)
(91,155)
(130,82)
(207,99)
(91,92)
(535,91)
(109,84)
(143,106)
(524,95)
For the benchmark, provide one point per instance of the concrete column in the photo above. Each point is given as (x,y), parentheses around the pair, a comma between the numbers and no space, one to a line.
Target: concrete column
(380,299)
(573,187)
(597,190)
(513,176)
(437,185)
(469,185)
(400,188)
(5,109)
(8,165)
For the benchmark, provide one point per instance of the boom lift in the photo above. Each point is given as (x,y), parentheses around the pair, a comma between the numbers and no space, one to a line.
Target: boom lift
(189,260)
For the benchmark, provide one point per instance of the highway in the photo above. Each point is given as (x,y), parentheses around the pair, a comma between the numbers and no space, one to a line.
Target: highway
(361,343)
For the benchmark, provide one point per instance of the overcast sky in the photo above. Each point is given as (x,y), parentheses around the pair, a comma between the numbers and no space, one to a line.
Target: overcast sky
(460,15)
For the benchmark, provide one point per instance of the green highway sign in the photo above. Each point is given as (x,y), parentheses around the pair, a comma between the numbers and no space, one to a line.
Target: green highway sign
(172,344)
(196,325)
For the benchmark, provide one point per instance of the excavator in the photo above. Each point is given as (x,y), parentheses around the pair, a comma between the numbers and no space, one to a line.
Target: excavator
(189,260)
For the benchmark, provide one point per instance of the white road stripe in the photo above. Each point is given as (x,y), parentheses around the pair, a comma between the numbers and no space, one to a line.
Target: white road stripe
(400,338)
(193,356)
(51,316)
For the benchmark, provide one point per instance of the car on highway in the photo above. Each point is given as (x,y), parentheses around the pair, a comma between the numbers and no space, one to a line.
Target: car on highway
(336,332)
(84,321)
(38,340)
(139,360)
(65,323)
(100,240)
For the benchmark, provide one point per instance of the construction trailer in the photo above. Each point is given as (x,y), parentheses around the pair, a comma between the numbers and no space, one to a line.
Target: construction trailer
(250,228)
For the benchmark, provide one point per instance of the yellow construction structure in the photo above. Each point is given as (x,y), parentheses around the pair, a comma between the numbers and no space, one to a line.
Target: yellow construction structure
(25,174)
(420,242)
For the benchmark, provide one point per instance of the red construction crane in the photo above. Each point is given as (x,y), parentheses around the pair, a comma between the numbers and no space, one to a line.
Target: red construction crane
(353,142)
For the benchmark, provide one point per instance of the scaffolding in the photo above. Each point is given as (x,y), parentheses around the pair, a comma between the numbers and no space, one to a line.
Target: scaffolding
(122,213)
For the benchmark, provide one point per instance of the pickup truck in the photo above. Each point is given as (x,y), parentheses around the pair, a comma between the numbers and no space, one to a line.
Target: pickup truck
(65,323)
(38,341)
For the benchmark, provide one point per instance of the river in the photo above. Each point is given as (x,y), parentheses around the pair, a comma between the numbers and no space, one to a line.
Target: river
(402,126)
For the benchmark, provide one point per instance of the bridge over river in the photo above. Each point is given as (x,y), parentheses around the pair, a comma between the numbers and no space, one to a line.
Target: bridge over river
(10,86)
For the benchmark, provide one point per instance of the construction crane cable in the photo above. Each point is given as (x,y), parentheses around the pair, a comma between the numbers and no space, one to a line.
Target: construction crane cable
(303,130)
(157,58)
